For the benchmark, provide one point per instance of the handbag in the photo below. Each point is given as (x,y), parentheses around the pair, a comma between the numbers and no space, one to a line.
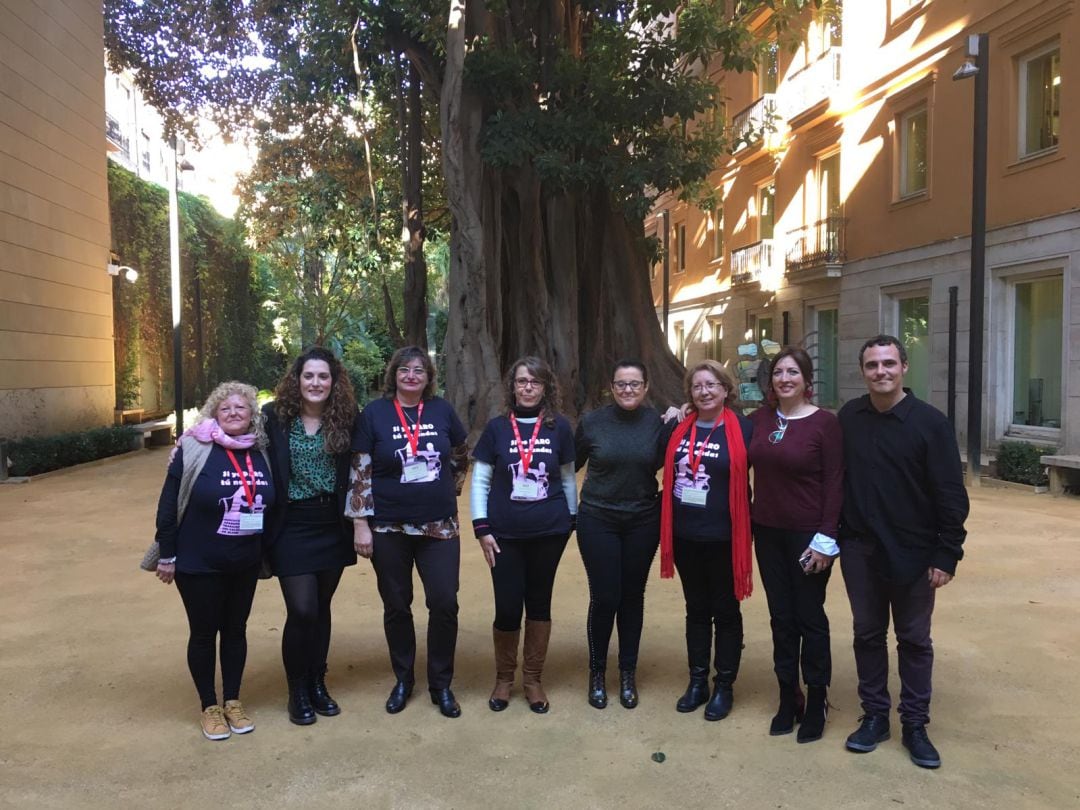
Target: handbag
(151,557)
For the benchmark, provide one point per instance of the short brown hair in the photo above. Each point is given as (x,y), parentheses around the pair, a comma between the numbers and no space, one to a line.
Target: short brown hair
(400,358)
(538,368)
(718,371)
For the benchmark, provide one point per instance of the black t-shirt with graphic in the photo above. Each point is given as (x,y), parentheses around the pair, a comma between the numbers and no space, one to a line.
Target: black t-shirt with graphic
(705,515)
(213,536)
(526,503)
(410,488)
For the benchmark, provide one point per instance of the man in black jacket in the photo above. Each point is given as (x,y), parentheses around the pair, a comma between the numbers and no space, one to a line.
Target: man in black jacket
(901,536)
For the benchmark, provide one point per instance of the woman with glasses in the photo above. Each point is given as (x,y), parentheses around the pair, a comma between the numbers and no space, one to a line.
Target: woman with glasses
(619,523)
(797,455)
(705,532)
(523,499)
(410,461)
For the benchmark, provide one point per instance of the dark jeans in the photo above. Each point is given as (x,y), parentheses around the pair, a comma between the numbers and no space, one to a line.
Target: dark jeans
(305,642)
(523,576)
(872,595)
(437,562)
(618,552)
(217,605)
(708,584)
(800,628)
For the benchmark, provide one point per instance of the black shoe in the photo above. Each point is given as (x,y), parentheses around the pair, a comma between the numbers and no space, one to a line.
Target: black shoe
(320,698)
(444,699)
(719,705)
(301,711)
(919,746)
(790,710)
(597,689)
(399,696)
(874,729)
(627,688)
(817,709)
(697,692)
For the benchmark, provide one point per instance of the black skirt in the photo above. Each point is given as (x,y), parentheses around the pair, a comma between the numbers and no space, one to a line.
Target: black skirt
(312,539)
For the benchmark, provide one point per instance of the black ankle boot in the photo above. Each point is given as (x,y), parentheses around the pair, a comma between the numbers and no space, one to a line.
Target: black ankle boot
(320,698)
(790,711)
(719,705)
(697,691)
(301,711)
(817,709)
(627,688)
(597,689)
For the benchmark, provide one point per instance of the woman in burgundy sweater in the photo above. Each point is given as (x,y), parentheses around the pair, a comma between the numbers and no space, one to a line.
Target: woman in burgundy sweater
(797,455)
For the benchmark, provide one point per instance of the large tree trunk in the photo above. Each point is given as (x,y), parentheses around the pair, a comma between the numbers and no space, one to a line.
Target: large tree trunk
(561,275)
(415,296)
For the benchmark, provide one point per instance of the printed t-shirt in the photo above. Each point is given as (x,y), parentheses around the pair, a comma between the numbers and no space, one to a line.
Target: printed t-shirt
(705,515)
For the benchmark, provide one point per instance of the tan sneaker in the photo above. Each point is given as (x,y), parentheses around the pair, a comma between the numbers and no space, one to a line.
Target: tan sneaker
(237,718)
(214,726)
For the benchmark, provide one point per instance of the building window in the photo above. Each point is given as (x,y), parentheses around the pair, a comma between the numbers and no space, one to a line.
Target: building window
(913,322)
(763,328)
(1037,352)
(829,201)
(680,247)
(766,203)
(768,69)
(716,339)
(826,347)
(914,155)
(718,232)
(1040,101)
(680,341)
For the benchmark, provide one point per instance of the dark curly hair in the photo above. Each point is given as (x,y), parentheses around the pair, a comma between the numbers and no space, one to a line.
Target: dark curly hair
(539,369)
(400,358)
(340,410)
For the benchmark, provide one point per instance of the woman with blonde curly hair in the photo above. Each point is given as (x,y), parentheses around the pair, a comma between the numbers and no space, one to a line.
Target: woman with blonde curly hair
(524,499)
(210,522)
(310,425)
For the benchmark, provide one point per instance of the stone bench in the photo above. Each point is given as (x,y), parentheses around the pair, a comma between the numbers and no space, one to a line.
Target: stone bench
(157,433)
(1057,471)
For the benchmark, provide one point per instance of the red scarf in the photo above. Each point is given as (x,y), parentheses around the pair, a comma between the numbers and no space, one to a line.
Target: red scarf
(738,503)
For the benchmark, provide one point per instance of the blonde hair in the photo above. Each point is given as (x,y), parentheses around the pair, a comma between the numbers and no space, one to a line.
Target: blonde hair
(250,395)
(718,371)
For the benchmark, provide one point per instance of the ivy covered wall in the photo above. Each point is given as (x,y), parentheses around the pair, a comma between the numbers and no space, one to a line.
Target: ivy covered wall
(226,327)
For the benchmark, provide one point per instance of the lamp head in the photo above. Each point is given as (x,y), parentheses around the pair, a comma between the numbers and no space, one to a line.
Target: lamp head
(965,71)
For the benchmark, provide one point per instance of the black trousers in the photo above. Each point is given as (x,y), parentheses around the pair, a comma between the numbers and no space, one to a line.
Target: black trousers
(437,562)
(305,641)
(618,552)
(800,628)
(523,578)
(712,611)
(217,606)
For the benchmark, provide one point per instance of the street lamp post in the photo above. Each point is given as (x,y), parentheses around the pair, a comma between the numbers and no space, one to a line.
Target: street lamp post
(979,48)
(174,281)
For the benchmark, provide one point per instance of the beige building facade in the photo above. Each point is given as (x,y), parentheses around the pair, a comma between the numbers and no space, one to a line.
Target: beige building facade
(847,208)
(56,327)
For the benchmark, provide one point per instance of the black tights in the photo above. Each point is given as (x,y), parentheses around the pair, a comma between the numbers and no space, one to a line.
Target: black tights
(305,642)
(523,578)
(217,605)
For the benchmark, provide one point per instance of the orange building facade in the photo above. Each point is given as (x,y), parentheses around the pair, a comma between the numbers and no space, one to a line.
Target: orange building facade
(847,209)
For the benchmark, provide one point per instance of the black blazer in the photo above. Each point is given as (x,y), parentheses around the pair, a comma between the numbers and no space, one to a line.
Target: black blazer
(281,466)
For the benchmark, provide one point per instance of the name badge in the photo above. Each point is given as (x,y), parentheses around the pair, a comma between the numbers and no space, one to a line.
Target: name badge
(694,497)
(414,470)
(251,522)
(525,490)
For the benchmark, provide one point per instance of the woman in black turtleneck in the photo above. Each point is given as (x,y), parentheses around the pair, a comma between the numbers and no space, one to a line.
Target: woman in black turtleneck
(523,500)
(619,524)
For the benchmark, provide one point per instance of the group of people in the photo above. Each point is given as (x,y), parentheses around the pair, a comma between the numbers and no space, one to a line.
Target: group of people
(311,482)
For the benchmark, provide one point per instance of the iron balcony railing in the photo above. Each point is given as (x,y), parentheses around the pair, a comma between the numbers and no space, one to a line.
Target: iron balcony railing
(116,135)
(814,83)
(748,263)
(817,244)
(750,125)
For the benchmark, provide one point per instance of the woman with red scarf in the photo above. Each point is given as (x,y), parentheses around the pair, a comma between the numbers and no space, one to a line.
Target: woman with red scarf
(705,532)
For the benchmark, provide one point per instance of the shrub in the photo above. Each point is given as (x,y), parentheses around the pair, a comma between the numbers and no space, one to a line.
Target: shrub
(34,456)
(365,363)
(1019,462)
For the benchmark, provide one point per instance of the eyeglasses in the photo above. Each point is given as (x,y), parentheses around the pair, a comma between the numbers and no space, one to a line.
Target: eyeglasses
(524,383)
(407,372)
(628,385)
(777,435)
(698,388)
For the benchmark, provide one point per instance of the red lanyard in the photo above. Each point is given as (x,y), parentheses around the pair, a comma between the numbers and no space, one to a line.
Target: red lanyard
(695,462)
(412,435)
(526,457)
(249,492)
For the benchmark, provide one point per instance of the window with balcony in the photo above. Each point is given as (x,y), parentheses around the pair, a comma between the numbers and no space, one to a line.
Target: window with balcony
(766,205)
(914,153)
(768,72)
(718,232)
(1037,340)
(680,247)
(1040,101)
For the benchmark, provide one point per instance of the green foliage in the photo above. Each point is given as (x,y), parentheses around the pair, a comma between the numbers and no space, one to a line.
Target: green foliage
(365,362)
(1019,462)
(33,456)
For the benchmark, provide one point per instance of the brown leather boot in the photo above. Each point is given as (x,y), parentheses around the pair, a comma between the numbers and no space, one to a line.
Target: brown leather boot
(537,636)
(506,651)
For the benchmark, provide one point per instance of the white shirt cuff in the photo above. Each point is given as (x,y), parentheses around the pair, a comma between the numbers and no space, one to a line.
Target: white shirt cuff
(823,544)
